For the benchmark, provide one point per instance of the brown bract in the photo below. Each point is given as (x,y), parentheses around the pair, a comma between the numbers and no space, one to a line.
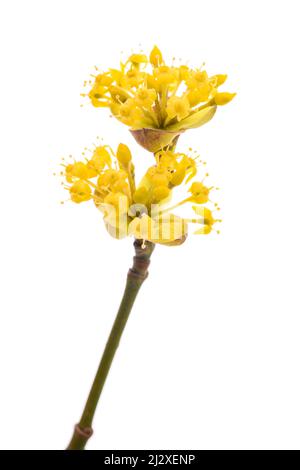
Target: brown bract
(154,139)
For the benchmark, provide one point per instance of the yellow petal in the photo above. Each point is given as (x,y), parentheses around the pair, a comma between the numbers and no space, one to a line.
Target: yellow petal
(205,230)
(223,98)
(138,58)
(220,78)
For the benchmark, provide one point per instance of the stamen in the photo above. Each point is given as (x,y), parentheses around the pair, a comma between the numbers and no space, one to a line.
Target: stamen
(206,175)
(168,209)
(91,184)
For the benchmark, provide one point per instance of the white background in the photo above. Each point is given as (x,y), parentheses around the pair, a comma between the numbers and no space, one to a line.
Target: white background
(210,356)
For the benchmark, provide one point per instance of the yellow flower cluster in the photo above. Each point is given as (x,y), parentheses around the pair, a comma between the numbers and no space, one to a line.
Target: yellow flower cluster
(146,93)
(143,211)
(158,102)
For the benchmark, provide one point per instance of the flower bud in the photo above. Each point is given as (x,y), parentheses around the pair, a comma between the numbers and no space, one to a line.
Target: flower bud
(141,195)
(123,154)
(160,193)
(156,58)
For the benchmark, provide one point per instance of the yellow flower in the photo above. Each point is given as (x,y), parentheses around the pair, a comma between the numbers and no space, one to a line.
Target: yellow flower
(138,59)
(113,181)
(196,79)
(147,94)
(77,170)
(200,193)
(80,192)
(145,97)
(207,220)
(129,113)
(165,75)
(178,108)
(100,158)
(199,95)
(132,79)
(144,211)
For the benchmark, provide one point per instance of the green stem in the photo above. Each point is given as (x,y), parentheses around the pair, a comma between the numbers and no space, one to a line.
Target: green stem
(135,278)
